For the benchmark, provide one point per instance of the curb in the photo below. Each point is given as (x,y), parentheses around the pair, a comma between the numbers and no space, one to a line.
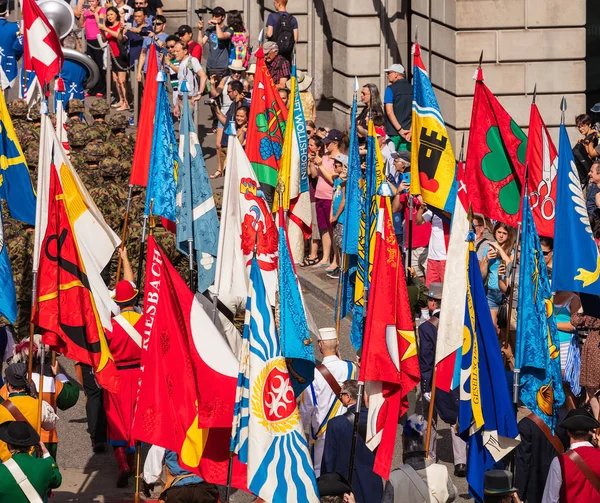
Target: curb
(316,287)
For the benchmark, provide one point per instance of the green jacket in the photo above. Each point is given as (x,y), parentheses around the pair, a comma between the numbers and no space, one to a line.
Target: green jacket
(42,473)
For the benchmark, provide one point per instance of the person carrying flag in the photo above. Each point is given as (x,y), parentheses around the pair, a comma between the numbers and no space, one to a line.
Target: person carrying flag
(125,343)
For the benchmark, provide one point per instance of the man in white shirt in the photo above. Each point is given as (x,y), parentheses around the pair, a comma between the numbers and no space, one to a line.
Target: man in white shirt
(191,71)
(321,400)
(436,255)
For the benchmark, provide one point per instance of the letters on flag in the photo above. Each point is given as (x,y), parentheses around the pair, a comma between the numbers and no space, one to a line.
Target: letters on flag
(575,268)
(542,167)
(495,158)
(432,163)
(268,433)
(538,348)
(182,350)
(389,361)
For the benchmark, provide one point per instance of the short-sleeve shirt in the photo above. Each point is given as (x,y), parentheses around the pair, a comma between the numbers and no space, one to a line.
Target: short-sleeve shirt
(324,189)
(188,69)
(218,53)
(91,27)
(279,68)
(146,45)
(195,50)
(126,12)
(437,243)
(274,17)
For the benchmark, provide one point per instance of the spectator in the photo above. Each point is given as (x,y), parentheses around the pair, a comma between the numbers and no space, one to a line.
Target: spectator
(282,28)
(585,126)
(191,71)
(240,39)
(171,63)
(436,253)
(398,106)
(432,478)
(151,7)
(547,245)
(125,11)
(315,157)
(338,203)
(113,33)
(89,20)
(136,34)
(589,376)
(219,36)
(592,200)
(143,4)
(160,39)
(480,238)
(250,72)
(399,177)
(311,128)
(370,97)
(582,159)
(285,97)
(309,106)
(278,66)
(185,34)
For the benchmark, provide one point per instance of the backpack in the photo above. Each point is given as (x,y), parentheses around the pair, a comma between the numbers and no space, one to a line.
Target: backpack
(283,33)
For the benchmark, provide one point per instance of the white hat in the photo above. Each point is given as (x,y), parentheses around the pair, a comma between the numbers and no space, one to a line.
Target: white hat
(398,68)
(327,334)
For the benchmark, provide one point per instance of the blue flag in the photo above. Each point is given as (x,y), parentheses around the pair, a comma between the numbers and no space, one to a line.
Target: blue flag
(486,418)
(15,183)
(575,268)
(537,353)
(267,431)
(8,299)
(163,158)
(197,219)
(296,342)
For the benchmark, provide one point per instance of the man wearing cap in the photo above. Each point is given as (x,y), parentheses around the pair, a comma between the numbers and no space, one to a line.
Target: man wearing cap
(125,343)
(336,485)
(11,47)
(279,67)
(21,406)
(397,101)
(194,48)
(446,404)
(219,37)
(321,400)
(23,478)
(498,487)
(575,475)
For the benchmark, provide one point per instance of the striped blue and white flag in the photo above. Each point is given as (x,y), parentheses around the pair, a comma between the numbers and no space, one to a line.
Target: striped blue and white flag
(267,433)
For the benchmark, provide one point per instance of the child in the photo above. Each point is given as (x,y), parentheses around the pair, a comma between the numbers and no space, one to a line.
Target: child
(338,202)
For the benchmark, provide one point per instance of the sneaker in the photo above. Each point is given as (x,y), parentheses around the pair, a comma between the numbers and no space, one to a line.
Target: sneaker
(87,95)
(99,95)
(335,274)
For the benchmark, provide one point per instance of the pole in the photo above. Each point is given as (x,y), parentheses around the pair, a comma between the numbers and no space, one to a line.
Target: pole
(229,477)
(136,96)
(410,234)
(338,311)
(143,245)
(191,258)
(138,469)
(361,390)
(41,385)
(430,413)
(108,74)
(124,233)
(31,327)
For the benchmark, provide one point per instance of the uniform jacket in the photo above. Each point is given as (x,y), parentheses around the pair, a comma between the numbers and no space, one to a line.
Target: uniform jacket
(43,474)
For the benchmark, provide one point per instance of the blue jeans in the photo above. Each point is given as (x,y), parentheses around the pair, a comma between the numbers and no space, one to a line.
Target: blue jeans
(494,298)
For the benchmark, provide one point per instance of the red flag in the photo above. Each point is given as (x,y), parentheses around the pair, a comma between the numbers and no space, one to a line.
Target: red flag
(187,390)
(542,166)
(495,158)
(143,143)
(43,52)
(389,346)
(65,308)
(266,128)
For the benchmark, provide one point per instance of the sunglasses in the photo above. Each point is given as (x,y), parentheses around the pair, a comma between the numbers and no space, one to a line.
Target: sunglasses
(343,393)
(159,24)
(171,46)
(546,253)
(236,72)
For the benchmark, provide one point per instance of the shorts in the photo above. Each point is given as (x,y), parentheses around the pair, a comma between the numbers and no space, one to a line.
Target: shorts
(435,271)
(418,260)
(323,208)
(494,298)
(316,235)
(338,233)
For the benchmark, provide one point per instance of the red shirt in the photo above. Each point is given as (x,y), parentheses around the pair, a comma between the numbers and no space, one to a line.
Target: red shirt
(123,348)
(113,41)
(420,233)
(195,49)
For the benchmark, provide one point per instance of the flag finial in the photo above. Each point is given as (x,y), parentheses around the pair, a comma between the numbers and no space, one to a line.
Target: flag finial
(417,34)
(462,149)
(563,109)
(534,93)
(480,59)
(260,37)
(356,84)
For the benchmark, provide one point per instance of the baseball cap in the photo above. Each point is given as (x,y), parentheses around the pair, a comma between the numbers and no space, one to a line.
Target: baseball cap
(270,46)
(380,131)
(183,29)
(333,135)
(342,159)
(218,12)
(398,68)
(403,154)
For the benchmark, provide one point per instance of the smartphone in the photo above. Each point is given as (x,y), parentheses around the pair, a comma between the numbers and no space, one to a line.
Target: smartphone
(406,178)
(101,21)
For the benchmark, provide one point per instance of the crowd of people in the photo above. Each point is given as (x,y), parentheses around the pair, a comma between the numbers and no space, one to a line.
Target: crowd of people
(218,64)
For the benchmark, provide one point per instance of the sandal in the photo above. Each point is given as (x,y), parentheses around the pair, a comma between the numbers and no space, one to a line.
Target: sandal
(308,262)
(216,174)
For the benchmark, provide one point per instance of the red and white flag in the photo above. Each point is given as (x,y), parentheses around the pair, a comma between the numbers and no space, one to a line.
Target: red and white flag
(390,365)
(43,52)
(542,164)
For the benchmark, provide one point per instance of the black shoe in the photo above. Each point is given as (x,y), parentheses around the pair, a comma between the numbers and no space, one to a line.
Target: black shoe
(98,448)
(335,274)
(460,470)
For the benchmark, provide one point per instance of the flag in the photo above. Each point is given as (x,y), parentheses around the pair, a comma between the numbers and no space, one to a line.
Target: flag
(575,268)
(15,182)
(452,317)
(296,342)
(182,350)
(268,433)
(538,348)
(30,88)
(8,299)
(43,52)
(164,159)
(143,142)
(61,116)
(486,418)
(542,167)
(374,177)
(246,222)
(65,307)
(389,362)
(495,158)
(266,129)
(195,206)
(432,162)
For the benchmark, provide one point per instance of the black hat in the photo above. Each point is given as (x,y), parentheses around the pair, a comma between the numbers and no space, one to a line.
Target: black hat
(333,135)
(579,420)
(333,484)
(498,482)
(19,433)
(16,375)
(218,12)
(183,29)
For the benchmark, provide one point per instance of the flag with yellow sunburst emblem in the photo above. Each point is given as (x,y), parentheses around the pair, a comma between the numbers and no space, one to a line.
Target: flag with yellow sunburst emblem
(389,361)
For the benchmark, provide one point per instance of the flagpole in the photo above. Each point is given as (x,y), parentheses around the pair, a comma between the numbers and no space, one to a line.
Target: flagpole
(124,233)
(143,245)
(191,258)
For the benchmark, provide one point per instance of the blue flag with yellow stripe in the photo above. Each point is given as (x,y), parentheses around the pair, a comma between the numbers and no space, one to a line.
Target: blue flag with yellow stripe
(15,182)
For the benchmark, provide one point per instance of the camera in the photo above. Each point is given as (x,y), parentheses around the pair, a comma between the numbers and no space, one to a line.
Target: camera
(210,102)
(204,10)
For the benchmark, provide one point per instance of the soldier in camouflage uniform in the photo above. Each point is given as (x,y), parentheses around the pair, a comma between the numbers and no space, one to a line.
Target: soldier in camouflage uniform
(18,113)
(99,110)
(78,139)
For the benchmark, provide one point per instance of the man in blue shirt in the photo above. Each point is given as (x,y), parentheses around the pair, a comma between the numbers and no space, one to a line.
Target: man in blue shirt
(11,48)
(160,38)
(397,101)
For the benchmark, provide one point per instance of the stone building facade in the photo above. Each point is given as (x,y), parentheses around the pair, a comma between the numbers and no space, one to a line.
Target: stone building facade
(524,43)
